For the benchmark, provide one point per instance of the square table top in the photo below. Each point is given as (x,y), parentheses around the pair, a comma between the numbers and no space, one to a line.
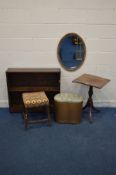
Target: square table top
(91,80)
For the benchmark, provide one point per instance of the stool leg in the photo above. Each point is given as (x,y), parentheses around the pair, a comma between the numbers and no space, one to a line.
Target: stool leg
(25,115)
(48,113)
(26,118)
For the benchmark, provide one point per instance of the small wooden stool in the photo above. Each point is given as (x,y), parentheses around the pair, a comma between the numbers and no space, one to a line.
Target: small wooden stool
(35,100)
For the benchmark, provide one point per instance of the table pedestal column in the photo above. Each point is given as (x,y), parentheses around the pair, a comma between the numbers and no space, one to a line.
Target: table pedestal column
(90,104)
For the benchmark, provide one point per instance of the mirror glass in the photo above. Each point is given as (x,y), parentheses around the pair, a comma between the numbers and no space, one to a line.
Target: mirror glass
(71,51)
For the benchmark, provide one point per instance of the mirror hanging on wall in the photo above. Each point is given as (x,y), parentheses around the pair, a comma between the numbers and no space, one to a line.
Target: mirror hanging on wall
(71,51)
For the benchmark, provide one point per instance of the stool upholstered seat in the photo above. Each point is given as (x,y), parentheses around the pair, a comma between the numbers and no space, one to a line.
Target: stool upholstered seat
(68,108)
(35,100)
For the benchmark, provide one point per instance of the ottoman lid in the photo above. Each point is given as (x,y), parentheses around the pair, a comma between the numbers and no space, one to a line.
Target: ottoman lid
(68,97)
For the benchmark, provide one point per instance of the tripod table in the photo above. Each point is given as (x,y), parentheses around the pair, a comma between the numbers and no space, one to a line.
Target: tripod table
(91,81)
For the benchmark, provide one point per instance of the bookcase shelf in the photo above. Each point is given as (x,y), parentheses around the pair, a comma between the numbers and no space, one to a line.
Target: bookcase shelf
(21,80)
(29,89)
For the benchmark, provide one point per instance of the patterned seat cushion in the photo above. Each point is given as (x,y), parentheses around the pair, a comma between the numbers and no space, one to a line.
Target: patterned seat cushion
(35,99)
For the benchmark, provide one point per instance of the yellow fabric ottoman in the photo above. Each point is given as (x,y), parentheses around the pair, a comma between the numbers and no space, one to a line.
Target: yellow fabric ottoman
(68,108)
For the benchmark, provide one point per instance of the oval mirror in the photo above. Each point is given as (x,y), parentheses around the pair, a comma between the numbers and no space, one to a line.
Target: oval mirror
(71,51)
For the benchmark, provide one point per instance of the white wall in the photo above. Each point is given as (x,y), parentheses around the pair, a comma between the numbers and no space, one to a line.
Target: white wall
(31,29)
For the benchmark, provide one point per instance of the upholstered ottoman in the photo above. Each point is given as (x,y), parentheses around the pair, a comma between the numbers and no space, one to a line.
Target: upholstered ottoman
(68,108)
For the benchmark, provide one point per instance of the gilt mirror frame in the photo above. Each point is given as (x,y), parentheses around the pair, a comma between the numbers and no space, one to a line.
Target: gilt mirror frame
(58,52)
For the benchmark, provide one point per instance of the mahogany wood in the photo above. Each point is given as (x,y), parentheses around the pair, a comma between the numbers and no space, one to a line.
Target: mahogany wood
(91,81)
(21,80)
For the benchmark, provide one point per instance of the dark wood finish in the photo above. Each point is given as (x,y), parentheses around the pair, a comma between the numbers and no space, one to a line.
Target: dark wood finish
(91,81)
(28,121)
(90,103)
(21,80)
